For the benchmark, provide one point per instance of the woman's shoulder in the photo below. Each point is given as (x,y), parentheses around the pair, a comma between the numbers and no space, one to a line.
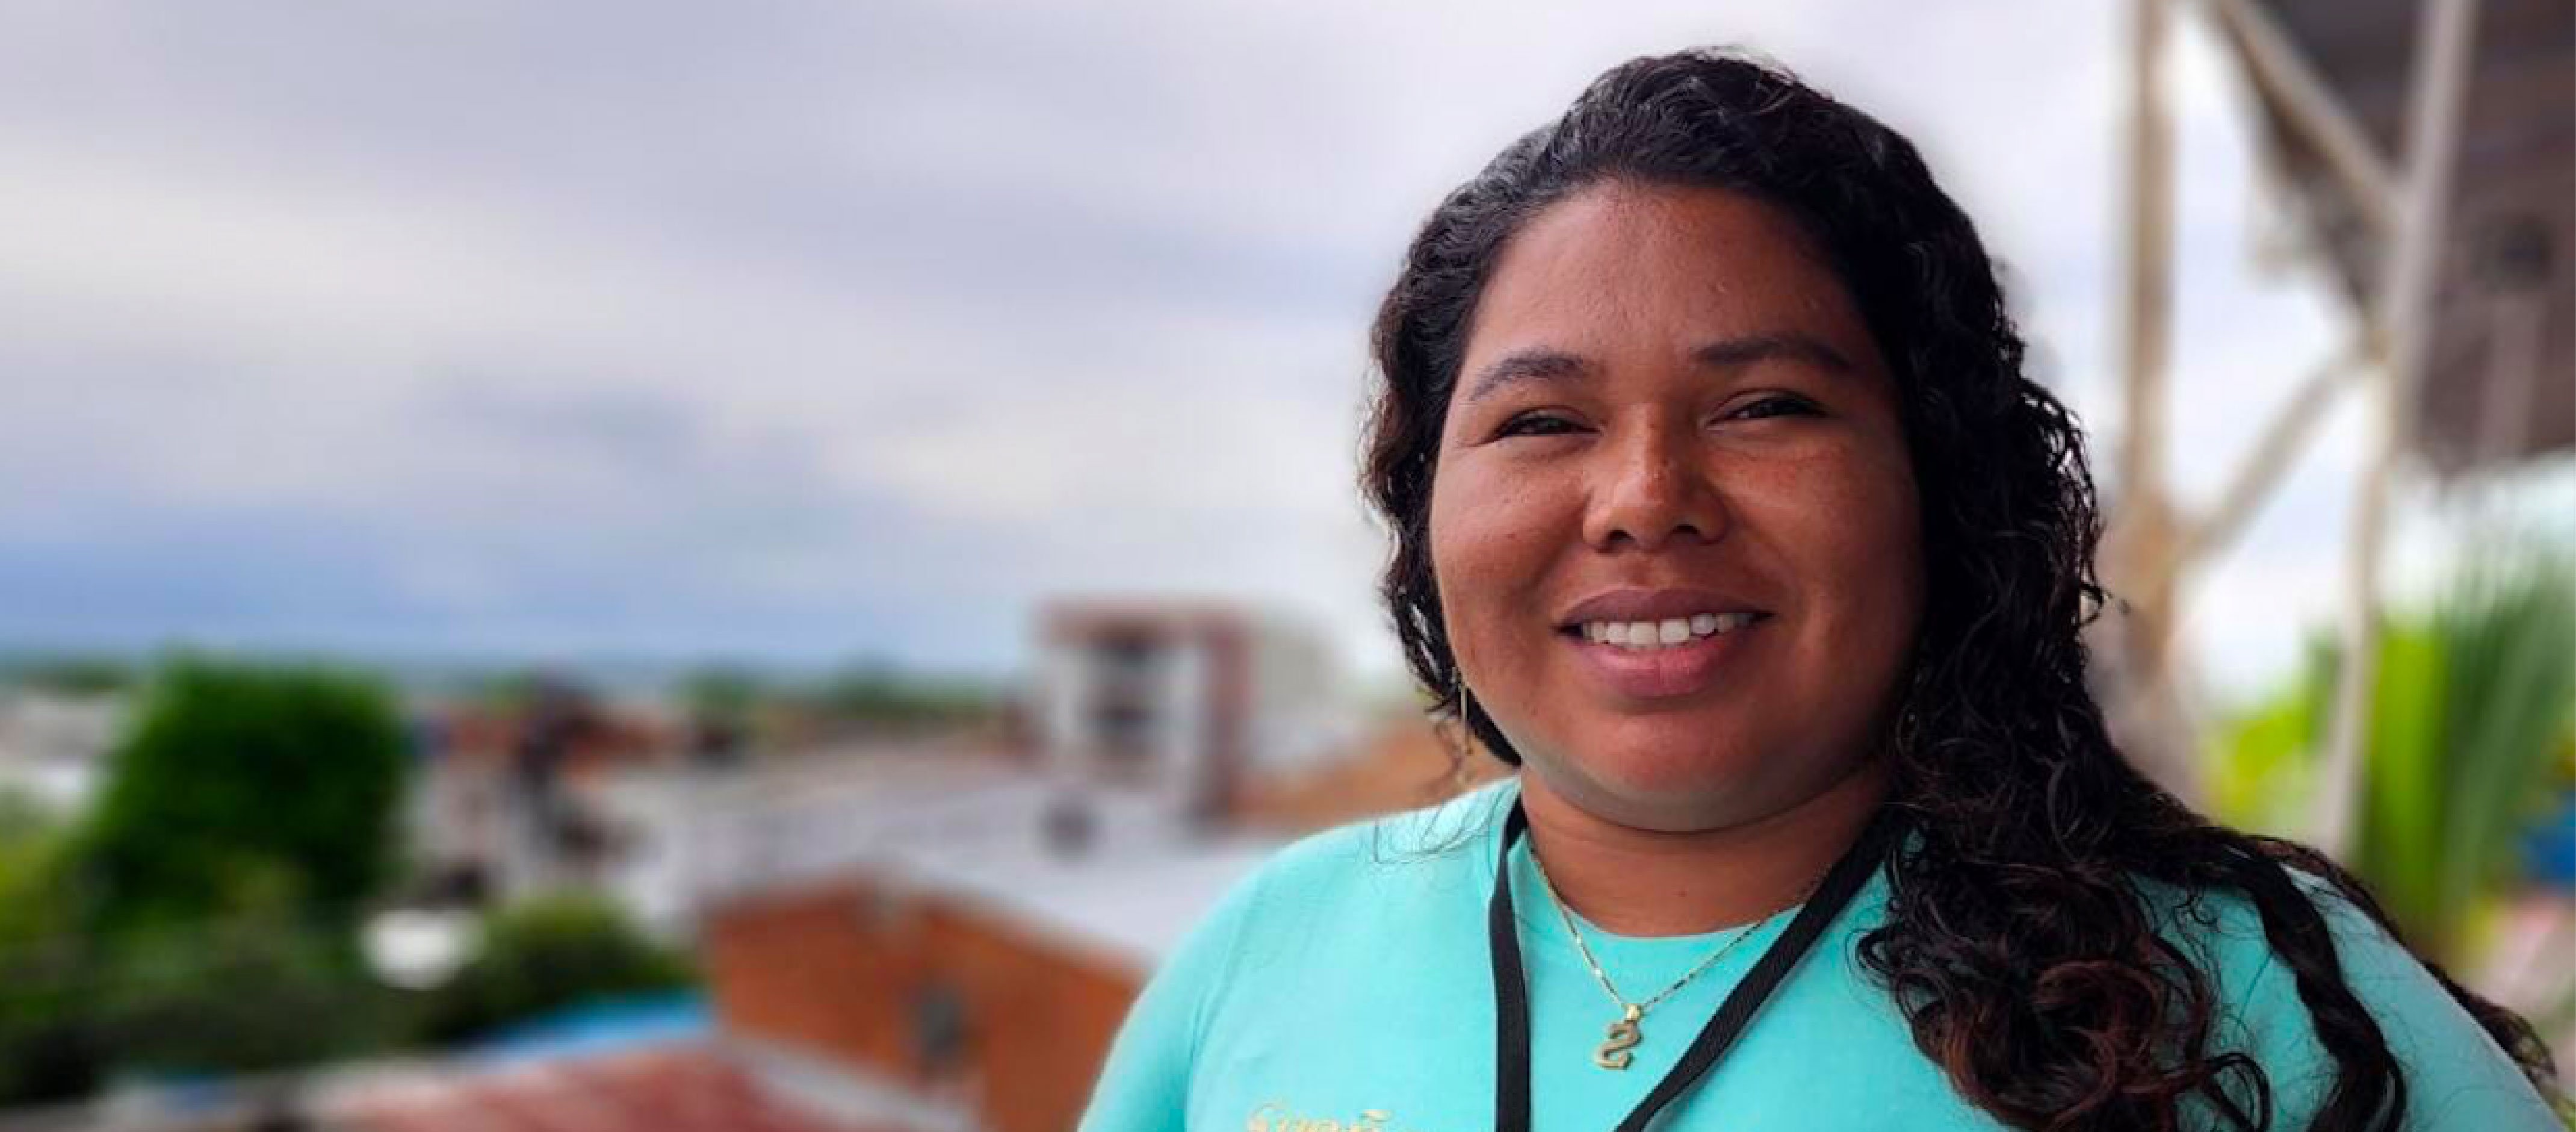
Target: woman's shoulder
(1408,875)
(2455,1071)
(2224,932)
(1446,844)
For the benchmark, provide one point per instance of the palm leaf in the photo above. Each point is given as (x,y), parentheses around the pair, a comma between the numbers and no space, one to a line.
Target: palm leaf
(2470,702)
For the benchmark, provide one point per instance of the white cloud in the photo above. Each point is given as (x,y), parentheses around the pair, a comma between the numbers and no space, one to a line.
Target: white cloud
(947,306)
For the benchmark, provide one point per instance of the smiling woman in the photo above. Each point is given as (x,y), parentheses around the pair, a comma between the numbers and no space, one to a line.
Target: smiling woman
(1712,436)
(1724,511)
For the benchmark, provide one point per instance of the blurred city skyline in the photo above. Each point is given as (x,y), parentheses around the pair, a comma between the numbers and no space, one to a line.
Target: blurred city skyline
(814,331)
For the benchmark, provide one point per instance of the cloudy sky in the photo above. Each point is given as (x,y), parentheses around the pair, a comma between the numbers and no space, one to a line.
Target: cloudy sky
(797,331)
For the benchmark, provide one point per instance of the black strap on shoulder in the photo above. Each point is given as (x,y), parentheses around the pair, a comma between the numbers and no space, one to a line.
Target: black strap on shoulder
(1511,992)
(1511,989)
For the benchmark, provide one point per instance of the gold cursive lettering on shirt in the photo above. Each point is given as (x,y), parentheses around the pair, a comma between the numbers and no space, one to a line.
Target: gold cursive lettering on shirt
(1277,1116)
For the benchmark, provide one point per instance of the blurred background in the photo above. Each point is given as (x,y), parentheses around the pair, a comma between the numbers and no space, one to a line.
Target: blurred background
(597,566)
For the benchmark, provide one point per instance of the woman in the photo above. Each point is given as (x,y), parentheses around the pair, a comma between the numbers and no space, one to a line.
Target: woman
(1724,511)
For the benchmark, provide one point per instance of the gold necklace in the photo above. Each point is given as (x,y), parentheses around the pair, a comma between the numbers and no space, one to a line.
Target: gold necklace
(1624,1035)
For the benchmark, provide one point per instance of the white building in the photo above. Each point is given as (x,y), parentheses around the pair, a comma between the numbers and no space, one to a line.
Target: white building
(1180,700)
(54,747)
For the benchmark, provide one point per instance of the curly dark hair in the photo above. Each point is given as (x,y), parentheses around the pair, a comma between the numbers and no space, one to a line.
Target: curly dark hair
(2020,948)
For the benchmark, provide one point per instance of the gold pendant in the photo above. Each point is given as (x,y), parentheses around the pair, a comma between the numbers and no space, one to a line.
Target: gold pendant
(1613,1053)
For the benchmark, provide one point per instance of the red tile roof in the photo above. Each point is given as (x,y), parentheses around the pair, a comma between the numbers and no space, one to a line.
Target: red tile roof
(678,1088)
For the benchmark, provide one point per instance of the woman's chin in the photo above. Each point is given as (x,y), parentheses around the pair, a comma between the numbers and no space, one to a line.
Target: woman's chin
(1673,790)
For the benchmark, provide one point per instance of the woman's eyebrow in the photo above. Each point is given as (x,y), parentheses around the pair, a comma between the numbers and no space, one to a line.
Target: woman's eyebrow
(1729,353)
(1536,363)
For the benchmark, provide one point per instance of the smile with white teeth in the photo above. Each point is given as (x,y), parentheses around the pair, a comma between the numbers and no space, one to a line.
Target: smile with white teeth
(1643,636)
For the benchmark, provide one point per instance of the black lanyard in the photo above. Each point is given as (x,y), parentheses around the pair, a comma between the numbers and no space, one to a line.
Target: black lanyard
(1511,988)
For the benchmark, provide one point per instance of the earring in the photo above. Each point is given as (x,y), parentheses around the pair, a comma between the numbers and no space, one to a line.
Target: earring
(1457,734)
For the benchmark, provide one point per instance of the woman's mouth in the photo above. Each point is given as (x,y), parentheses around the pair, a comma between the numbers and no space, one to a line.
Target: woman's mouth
(1641,636)
(1660,659)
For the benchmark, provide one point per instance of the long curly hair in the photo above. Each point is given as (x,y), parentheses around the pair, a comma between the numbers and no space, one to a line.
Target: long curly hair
(2019,946)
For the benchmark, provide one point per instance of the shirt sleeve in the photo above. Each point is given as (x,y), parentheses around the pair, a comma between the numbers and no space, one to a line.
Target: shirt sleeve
(2456,1076)
(1145,1084)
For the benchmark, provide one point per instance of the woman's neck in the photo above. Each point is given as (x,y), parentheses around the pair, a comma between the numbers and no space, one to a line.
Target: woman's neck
(1644,882)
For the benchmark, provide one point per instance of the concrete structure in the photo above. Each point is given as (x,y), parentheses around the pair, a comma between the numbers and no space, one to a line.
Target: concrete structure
(1184,700)
(2430,146)
(2343,90)
(930,931)
(54,746)
(505,802)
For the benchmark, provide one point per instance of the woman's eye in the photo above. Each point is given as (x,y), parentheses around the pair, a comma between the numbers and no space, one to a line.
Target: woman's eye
(1535,424)
(1776,407)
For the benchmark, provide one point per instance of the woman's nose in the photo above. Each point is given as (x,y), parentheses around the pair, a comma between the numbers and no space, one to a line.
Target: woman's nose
(1654,487)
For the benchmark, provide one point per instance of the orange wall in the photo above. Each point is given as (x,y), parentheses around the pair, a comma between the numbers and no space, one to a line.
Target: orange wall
(837,970)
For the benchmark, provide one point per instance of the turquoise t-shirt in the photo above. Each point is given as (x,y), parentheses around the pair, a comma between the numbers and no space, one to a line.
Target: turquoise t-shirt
(1346,987)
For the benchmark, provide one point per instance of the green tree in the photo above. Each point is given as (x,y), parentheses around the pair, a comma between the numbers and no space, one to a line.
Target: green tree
(49,1045)
(70,675)
(725,706)
(545,954)
(200,917)
(877,695)
(257,989)
(236,775)
(722,693)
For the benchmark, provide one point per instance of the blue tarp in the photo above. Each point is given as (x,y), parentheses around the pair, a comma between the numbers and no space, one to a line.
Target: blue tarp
(596,1026)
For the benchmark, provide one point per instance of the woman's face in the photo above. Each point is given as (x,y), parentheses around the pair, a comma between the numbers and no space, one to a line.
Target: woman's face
(1673,520)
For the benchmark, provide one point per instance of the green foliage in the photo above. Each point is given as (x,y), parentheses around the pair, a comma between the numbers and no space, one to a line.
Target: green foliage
(721,693)
(546,954)
(24,821)
(724,706)
(506,691)
(294,775)
(2263,767)
(49,1047)
(2404,783)
(199,916)
(2471,703)
(258,989)
(70,675)
(2511,703)
(35,897)
(880,696)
